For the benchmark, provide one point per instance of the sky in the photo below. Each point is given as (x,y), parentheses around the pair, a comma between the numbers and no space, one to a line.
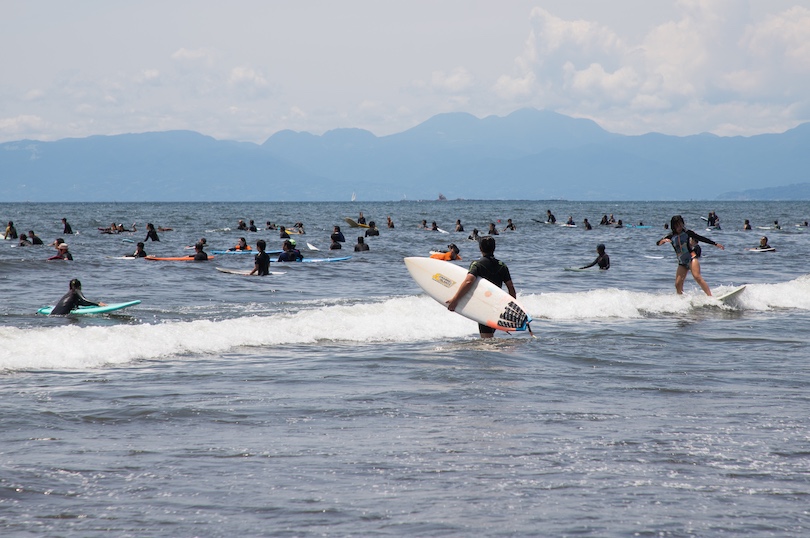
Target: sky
(246,69)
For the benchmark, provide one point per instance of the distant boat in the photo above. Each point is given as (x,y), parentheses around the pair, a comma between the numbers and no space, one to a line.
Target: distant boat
(442,198)
(354,196)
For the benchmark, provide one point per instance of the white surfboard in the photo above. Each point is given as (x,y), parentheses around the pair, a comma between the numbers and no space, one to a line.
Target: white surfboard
(485,303)
(730,295)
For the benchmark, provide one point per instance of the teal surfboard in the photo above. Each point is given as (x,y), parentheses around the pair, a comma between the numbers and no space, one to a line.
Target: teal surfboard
(90,310)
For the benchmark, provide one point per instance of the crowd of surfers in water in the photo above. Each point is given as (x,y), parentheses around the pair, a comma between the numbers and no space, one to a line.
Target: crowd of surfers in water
(684,241)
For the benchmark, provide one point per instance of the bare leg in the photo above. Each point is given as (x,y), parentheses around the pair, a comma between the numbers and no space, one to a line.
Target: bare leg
(680,277)
(695,266)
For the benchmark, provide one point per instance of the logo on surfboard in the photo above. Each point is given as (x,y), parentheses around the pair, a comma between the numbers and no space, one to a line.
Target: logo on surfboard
(443,280)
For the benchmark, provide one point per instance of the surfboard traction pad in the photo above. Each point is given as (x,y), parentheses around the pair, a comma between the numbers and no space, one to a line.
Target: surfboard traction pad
(511,318)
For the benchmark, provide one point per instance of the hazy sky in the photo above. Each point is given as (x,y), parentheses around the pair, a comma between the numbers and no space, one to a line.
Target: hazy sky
(245,69)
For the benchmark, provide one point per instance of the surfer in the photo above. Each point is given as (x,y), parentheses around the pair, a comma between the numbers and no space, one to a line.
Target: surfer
(62,253)
(261,263)
(492,229)
(361,219)
(23,242)
(199,254)
(570,221)
(139,251)
(241,225)
(269,226)
(67,229)
(776,225)
(72,300)
(459,227)
(474,235)
(361,245)
(602,259)
(151,234)
(11,231)
(252,226)
(679,238)
(282,233)
(290,253)
(587,224)
(372,230)
(451,254)
(550,218)
(337,236)
(510,226)
(490,268)
(241,245)
(390,223)
(713,220)
(34,238)
(434,227)
(763,245)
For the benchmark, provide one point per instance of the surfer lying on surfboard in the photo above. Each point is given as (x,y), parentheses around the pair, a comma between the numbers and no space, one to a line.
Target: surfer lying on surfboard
(490,268)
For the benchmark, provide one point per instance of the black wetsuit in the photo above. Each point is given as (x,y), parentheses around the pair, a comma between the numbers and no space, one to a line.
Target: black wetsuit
(490,268)
(290,256)
(263,263)
(151,234)
(372,232)
(603,261)
(200,256)
(335,245)
(35,240)
(68,230)
(337,237)
(70,301)
(360,246)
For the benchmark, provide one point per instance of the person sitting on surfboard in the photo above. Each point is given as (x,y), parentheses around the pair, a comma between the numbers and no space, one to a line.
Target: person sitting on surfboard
(490,268)
(602,259)
(252,226)
(372,230)
(763,244)
(72,300)
(459,227)
(11,231)
(241,245)
(679,238)
(34,238)
(67,229)
(261,263)
(570,221)
(550,218)
(361,219)
(746,225)
(587,224)
(199,254)
(290,253)
(451,254)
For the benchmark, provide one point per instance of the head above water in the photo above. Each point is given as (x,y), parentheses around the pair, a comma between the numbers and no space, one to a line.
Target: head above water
(600,248)
(676,221)
(75,284)
(487,245)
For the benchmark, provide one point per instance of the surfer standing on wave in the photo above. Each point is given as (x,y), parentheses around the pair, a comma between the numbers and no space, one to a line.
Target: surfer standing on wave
(490,268)
(679,236)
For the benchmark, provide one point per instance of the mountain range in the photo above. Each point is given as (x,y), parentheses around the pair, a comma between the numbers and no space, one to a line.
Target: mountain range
(529,154)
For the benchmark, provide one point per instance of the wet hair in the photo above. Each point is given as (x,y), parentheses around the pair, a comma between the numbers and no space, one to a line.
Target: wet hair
(287,245)
(600,247)
(453,247)
(677,219)
(261,245)
(75,284)
(140,244)
(487,244)
(360,240)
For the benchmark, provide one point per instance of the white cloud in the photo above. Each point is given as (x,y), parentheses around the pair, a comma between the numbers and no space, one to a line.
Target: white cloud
(248,82)
(457,81)
(21,126)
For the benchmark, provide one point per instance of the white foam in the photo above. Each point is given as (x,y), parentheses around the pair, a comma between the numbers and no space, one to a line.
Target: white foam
(400,319)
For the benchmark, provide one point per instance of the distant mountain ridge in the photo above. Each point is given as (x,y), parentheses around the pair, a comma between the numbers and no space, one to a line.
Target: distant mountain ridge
(529,154)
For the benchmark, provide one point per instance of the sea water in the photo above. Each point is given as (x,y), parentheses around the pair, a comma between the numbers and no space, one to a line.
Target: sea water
(338,400)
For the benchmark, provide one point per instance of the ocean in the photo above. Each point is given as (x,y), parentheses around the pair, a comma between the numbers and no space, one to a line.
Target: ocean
(339,400)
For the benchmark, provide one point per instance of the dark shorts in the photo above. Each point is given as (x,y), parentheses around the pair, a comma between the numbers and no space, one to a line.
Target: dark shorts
(483,329)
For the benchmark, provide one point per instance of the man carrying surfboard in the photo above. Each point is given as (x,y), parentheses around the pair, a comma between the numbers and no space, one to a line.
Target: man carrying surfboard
(72,300)
(489,268)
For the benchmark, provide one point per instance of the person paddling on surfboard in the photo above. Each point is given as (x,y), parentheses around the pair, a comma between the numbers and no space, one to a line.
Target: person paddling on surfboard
(679,237)
(763,245)
(72,300)
(489,268)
